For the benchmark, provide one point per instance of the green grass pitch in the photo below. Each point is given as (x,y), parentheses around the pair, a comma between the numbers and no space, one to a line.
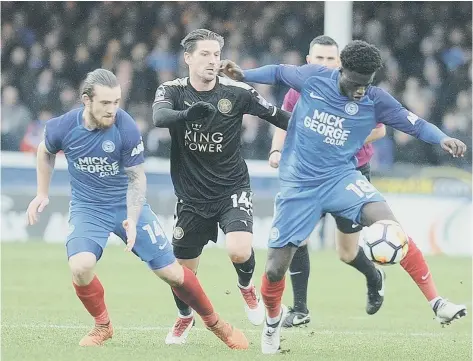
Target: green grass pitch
(43,320)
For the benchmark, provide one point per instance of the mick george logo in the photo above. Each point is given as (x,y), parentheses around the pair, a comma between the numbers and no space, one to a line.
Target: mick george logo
(203,142)
(328,125)
(101,165)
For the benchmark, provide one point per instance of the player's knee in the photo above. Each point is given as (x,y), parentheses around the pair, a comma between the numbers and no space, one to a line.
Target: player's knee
(172,274)
(82,266)
(278,262)
(239,255)
(274,273)
(239,246)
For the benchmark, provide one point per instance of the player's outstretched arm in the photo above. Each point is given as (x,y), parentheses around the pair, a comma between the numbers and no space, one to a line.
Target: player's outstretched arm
(289,75)
(45,162)
(260,107)
(390,112)
(280,118)
(135,199)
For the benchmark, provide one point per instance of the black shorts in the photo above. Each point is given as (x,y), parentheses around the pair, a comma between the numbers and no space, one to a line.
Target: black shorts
(197,224)
(345,225)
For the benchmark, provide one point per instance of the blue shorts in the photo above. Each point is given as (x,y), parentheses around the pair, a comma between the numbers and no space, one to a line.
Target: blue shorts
(90,227)
(298,209)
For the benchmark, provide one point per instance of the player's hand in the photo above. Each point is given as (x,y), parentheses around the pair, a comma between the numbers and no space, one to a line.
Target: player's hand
(199,111)
(231,69)
(453,146)
(130,228)
(36,206)
(274,159)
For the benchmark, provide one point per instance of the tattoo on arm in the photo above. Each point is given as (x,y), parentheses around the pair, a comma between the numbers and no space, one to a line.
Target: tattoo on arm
(136,193)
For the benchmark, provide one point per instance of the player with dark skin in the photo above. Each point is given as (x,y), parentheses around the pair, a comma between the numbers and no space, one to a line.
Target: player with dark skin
(360,62)
(323,50)
(352,84)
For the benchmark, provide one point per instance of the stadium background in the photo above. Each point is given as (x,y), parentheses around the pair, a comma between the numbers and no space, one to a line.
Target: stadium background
(48,47)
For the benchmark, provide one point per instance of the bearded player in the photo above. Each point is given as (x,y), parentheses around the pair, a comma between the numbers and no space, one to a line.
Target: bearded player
(104,151)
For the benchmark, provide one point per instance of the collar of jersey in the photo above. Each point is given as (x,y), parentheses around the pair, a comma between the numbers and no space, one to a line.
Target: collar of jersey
(217,82)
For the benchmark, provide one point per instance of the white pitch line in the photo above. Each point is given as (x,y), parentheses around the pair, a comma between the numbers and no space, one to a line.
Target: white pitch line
(250,330)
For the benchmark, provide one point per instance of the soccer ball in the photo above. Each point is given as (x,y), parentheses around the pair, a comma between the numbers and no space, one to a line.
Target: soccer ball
(385,242)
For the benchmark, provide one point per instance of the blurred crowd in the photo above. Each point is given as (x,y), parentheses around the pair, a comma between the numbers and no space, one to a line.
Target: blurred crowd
(48,47)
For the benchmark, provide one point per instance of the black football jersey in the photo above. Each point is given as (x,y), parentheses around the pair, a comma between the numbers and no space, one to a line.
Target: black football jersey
(206,163)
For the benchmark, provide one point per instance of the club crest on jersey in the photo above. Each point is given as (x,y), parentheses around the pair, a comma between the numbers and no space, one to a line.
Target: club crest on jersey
(351,108)
(178,233)
(274,234)
(224,106)
(108,146)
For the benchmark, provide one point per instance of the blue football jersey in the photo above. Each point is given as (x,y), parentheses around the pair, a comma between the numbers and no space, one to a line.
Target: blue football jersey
(327,129)
(96,158)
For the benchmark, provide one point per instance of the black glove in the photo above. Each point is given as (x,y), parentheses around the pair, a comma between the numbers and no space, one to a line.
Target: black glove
(200,110)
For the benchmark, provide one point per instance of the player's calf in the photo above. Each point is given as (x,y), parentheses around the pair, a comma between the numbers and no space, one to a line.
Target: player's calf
(371,213)
(254,307)
(347,245)
(191,292)
(299,270)
(173,275)
(242,255)
(244,263)
(273,283)
(416,266)
(272,289)
(89,289)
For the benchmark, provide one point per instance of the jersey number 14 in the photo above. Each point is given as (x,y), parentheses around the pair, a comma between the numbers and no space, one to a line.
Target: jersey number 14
(157,231)
(245,202)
